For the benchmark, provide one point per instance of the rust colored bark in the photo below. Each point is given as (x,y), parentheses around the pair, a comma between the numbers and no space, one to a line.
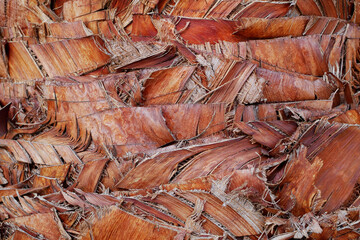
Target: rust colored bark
(179,119)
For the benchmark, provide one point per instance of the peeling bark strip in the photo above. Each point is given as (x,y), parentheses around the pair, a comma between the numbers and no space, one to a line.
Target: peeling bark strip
(21,64)
(179,119)
(71,56)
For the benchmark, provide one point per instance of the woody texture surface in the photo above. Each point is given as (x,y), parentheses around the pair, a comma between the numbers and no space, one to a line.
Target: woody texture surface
(179,119)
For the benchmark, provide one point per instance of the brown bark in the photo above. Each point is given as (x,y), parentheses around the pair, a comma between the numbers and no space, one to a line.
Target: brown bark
(168,119)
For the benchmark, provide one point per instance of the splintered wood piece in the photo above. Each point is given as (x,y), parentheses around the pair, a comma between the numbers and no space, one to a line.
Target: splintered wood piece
(215,31)
(166,86)
(338,156)
(161,168)
(163,58)
(199,31)
(238,223)
(77,92)
(350,117)
(326,26)
(13,207)
(72,9)
(71,56)
(319,135)
(69,219)
(318,26)
(22,66)
(40,204)
(307,110)
(66,30)
(20,191)
(260,28)
(142,28)
(185,52)
(39,152)
(268,52)
(59,172)
(231,84)
(10,176)
(97,199)
(46,152)
(222,9)
(51,183)
(16,150)
(329,8)
(42,223)
(145,175)
(123,9)
(115,127)
(187,8)
(201,184)
(244,181)
(151,213)
(67,154)
(233,156)
(298,193)
(89,176)
(61,145)
(201,120)
(16,13)
(75,200)
(183,211)
(114,223)
(284,87)
(28,208)
(94,16)
(31,150)
(262,132)
(108,30)
(325,157)
(308,7)
(114,172)
(264,10)
(89,96)
(246,159)
(245,115)
(77,8)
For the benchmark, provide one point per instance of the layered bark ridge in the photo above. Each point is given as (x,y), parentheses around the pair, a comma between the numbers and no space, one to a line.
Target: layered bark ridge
(179,119)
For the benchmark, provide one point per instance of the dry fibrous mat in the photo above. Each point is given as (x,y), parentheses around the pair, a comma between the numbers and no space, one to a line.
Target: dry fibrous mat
(179,119)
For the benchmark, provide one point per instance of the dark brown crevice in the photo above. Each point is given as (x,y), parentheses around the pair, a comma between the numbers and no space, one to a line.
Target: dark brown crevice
(181,165)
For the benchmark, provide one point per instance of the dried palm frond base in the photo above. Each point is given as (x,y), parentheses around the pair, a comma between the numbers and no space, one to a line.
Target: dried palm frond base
(179,119)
